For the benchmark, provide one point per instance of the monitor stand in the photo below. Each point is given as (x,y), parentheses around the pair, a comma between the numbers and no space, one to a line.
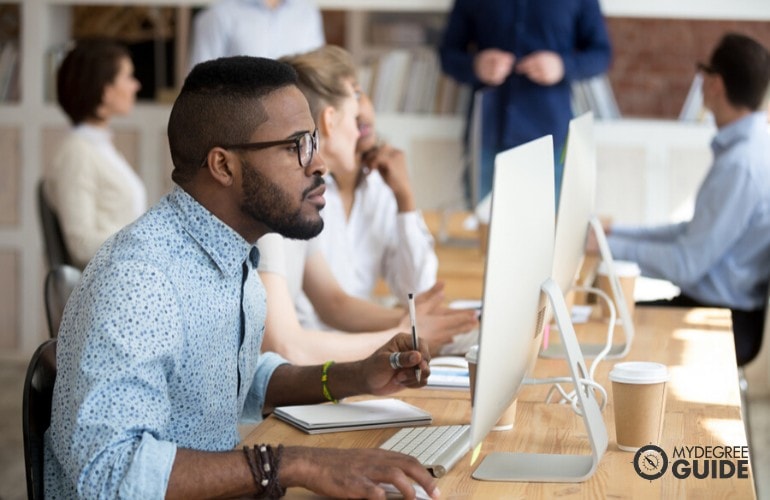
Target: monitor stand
(625,321)
(555,468)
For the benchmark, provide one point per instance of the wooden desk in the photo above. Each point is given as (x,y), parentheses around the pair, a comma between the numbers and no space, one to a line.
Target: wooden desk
(702,409)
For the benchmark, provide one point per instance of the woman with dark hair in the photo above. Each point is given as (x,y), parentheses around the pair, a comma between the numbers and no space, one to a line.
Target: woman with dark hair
(90,185)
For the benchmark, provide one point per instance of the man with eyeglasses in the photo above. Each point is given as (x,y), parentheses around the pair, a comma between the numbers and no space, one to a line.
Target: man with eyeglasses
(159,350)
(721,257)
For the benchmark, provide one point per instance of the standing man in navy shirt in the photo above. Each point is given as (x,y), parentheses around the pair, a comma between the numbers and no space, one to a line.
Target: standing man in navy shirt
(525,53)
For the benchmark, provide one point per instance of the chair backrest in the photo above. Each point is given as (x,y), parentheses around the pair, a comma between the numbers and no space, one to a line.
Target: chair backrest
(59,283)
(55,249)
(36,413)
(765,322)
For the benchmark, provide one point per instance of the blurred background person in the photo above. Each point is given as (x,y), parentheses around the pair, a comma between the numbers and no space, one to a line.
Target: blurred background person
(524,54)
(372,228)
(90,185)
(266,28)
(719,258)
(299,282)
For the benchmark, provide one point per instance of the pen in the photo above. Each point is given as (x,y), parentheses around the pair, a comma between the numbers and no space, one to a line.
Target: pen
(413,318)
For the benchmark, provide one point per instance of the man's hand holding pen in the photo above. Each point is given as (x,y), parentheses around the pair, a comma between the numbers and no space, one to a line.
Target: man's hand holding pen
(394,366)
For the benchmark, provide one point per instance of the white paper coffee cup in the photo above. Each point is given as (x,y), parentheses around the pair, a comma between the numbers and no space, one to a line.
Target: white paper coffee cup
(639,402)
(508,418)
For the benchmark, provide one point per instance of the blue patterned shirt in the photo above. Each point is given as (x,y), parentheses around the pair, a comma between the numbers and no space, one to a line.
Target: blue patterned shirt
(151,355)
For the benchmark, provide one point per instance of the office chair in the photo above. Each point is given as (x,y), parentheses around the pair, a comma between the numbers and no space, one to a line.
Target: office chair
(59,283)
(36,409)
(748,332)
(55,249)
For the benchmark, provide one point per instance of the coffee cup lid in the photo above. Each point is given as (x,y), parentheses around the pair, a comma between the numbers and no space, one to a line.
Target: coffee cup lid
(639,372)
(473,354)
(622,268)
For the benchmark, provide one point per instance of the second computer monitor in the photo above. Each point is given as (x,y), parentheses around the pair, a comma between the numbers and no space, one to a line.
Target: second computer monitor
(576,202)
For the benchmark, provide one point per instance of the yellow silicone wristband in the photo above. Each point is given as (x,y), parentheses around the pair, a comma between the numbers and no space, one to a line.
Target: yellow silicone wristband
(324,380)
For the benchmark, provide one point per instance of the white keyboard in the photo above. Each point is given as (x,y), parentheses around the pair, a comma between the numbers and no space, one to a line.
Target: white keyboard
(437,447)
(460,344)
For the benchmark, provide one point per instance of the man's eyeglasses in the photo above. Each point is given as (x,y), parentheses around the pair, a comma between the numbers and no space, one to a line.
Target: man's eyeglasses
(306,144)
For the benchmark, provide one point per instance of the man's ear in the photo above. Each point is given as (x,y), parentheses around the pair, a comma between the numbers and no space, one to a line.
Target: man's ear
(221,165)
(327,120)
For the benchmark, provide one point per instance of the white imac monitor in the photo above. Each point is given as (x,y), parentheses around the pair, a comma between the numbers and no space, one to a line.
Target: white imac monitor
(576,202)
(574,219)
(518,270)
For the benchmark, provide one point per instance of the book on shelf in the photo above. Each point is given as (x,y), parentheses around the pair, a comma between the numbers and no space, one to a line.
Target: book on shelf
(9,71)
(54,57)
(389,86)
(406,29)
(594,94)
(411,81)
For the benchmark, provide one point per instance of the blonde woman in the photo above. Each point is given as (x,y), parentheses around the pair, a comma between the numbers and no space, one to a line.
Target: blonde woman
(372,228)
(296,274)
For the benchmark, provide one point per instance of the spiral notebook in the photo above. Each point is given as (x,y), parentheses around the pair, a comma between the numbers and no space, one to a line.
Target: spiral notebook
(370,414)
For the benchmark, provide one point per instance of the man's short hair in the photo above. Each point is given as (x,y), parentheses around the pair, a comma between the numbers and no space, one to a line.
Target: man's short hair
(221,103)
(744,65)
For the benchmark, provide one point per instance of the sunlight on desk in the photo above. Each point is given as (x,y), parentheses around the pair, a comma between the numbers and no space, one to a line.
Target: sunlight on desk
(713,318)
(703,355)
(725,430)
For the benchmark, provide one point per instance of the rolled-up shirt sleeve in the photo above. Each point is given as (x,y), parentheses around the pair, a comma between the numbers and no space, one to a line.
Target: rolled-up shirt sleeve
(255,401)
(113,408)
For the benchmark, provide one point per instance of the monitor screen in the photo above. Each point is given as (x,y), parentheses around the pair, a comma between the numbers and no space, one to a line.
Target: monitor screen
(576,203)
(519,261)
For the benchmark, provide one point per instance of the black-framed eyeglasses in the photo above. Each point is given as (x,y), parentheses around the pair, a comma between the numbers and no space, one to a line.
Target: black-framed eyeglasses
(709,70)
(305,142)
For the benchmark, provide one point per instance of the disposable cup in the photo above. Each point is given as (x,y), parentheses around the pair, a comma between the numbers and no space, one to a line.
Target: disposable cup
(627,272)
(508,418)
(639,402)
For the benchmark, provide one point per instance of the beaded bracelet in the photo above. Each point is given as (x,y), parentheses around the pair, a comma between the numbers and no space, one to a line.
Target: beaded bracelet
(324,380)
(268,460)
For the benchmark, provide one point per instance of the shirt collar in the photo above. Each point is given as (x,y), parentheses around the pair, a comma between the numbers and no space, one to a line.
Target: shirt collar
(224,246)
(737,130)
(94,133)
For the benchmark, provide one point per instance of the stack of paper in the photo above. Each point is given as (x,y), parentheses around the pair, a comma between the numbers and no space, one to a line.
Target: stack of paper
(449,372)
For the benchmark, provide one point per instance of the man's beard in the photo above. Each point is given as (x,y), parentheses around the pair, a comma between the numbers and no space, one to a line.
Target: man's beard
(265,202)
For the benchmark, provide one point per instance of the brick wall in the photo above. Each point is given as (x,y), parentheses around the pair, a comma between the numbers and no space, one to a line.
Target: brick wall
(654,59)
